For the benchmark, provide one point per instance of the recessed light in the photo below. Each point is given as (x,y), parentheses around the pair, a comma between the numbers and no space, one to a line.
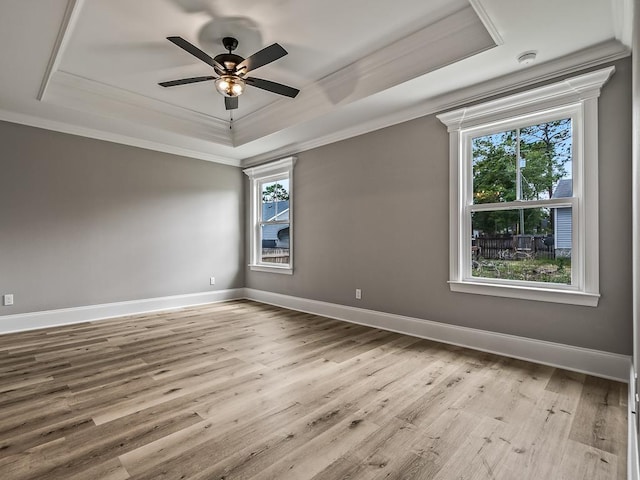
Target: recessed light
(527,58)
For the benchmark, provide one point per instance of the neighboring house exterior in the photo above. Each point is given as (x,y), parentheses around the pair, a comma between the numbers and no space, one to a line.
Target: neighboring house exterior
(562,219)
(275,236)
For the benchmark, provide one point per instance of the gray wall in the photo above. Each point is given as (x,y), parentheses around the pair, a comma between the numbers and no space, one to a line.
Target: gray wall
(85,222)
(372,212)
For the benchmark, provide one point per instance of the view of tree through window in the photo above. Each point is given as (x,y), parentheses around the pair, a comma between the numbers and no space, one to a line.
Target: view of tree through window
(531,164)
(274,224)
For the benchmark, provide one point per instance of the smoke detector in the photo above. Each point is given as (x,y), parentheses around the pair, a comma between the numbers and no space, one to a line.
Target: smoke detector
(527,58)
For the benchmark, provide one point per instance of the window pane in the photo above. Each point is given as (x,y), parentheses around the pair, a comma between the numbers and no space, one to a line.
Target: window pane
(531,244)
(275,243)
(543,170)
(275,200)
(545,160)
(494,167)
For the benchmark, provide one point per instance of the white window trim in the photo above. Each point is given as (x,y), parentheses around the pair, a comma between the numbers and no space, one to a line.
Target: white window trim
(256,176)
(576,96)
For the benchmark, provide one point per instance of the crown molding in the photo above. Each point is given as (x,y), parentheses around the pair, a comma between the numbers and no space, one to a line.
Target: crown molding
(446,41)
(278,166)
(73,91)
(62,127)
(598,55)
(487,21)
(603,53)
(564,92)
(71,14)
(466,28)
(622,11)
(463,34)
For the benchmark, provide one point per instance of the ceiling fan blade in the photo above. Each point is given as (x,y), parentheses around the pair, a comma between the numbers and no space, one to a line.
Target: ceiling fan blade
(230,103)
(185,81)
(274,87)
(195,51)
(266,55)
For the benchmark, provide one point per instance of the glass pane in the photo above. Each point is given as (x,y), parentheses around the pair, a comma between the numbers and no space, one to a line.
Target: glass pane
(275,243)
(275,200)
(543,170)
(545,160)
(532,244)
(494,167)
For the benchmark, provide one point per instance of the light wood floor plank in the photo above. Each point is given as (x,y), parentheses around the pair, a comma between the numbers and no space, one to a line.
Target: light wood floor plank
(241,390)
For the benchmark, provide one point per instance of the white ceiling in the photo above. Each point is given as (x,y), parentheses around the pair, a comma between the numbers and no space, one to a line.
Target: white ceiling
(91,67)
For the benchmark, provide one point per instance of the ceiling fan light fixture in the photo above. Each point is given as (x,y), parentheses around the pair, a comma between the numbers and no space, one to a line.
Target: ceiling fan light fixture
(230,85)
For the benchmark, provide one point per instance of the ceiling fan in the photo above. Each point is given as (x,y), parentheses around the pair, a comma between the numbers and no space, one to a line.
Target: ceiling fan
(232,70)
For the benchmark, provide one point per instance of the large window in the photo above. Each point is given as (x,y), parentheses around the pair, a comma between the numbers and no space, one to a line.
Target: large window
(271,216)
(524,198)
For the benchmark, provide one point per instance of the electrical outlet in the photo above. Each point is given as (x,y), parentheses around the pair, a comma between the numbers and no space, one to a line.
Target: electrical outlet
(212,281)
(358,294)
(8,299)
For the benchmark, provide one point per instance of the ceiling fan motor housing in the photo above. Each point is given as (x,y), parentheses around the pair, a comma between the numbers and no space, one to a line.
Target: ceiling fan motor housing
(229,62)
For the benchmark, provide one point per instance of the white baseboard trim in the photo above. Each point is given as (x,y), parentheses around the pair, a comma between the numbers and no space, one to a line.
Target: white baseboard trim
(633,460)
(53,318)
(584,360)
(593,362)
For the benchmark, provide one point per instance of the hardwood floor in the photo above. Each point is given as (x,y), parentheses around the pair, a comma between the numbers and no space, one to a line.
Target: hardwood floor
(244,390)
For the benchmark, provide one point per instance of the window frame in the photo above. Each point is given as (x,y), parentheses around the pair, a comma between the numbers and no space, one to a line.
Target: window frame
(258,176)
(574,113)
(574,98)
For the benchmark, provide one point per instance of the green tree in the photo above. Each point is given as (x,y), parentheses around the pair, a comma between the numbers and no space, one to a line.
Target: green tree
(546,149)
(274,192)
(545,153)
(494,180)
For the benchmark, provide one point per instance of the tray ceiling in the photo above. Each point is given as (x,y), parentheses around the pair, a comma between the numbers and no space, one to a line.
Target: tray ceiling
(91,67)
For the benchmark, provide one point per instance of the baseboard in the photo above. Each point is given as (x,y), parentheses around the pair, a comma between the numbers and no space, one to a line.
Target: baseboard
(65,316)
(593,362)
(633,460)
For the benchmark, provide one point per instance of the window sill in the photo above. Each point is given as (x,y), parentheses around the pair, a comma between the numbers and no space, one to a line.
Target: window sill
(271,269)
(570,297)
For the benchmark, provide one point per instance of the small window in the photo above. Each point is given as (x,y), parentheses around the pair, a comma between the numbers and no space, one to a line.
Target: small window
(524,199)
(271,216)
